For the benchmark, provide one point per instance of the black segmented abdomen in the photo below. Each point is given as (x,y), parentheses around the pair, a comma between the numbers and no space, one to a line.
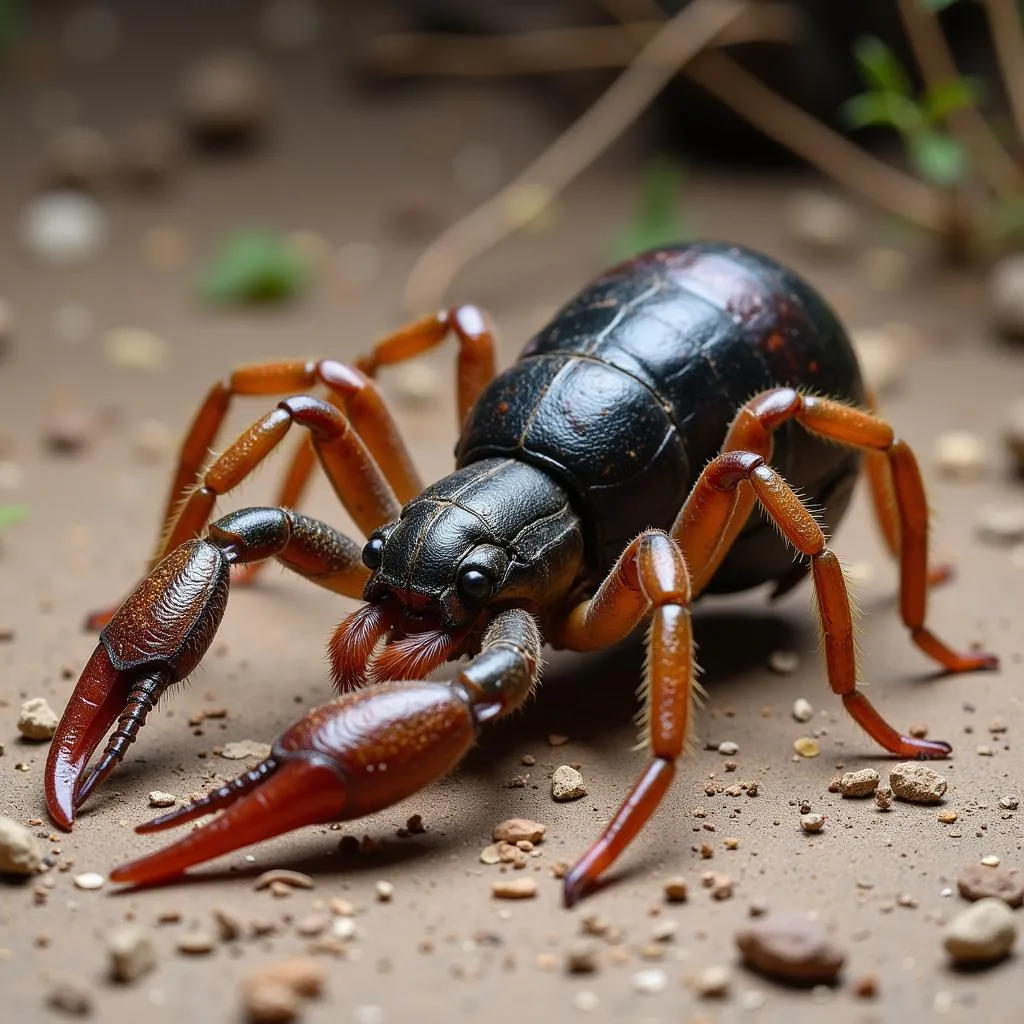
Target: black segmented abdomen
(629,391)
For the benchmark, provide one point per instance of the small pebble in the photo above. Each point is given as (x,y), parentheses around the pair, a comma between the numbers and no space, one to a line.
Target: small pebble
(822,223)
(675,889)
(807,746)
(225,98)
(159,799)
(802,711)
(133,348)
(197,943)
(283,876)
(1008,803)
(713,982)
(514,888)
(784,663)
(567,784)
(983,933)
(244,749)
(63,228)
(515,830)
(1006,296)
(1000,524)
(385,890)
(812,822)
(586,1001)
(19,851)
(229,925)
(79,158)
(916,783)
(150,152)
(947,817)
(37,721)
(71,996)
(918,731)
(883,798)
(866,987)
(862,783)
(991,861)
(650,981)
(790,948)
(977,882)
(90,880)
(960,455)
(130,953)
(728,748)
(267,1001)
(581,958)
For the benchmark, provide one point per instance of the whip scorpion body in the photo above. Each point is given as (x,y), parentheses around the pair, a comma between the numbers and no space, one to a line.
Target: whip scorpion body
(605,481)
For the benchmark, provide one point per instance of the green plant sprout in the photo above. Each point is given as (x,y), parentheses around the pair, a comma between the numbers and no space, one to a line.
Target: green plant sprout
(938,157)
(254,266)
(657,220)
(11,514)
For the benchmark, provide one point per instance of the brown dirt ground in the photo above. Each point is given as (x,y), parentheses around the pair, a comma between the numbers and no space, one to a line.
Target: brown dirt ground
(337,165)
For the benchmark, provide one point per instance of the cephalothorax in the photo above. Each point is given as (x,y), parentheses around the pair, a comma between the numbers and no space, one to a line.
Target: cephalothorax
(605,480)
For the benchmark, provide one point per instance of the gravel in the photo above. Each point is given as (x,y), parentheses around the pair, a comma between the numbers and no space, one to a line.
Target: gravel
(19,851)
(567,784)
(982,934)
(916,783)
(790,948)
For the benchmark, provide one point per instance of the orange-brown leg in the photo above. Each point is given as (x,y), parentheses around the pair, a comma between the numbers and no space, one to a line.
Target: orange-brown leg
(650,576)
(710,521)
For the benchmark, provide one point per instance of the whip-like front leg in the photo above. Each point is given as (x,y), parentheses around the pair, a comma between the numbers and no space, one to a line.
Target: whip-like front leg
(359,754)
(161,632)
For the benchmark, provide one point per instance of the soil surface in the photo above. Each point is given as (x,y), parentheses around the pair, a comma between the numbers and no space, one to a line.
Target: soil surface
(340,164)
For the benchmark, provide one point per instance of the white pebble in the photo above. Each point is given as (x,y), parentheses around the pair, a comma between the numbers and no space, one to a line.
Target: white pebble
(61,228)
(586,1001)
(728,748)
(567,784)
(90,880)
(385,890)
(803,711)
(651,981)
(960,455)
(981,934)
(991,861)
(785,663)
(131,954)
(713,982)
(812,822)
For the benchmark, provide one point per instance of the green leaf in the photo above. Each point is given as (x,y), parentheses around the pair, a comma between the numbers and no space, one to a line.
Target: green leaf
(937,5)
(254,266)
(657,220)
(10,514)
(945,97)
(869,108)
(879,67)
(938,158)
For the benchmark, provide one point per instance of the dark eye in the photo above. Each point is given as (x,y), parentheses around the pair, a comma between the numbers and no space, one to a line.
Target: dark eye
(372,553)
(474,585)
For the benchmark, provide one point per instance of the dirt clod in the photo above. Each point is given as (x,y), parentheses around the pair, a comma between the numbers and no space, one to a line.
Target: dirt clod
(514,888)
(19,851)
(790,948)
(862,783)
(917,783)
(567,784)
(130,953)
(977,882)
(515,830)
(37,721)
(983,933)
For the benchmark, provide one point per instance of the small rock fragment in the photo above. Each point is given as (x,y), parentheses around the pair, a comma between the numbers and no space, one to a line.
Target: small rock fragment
(151,152)
(981,934)
(581,958)
(71,996)
(791,948)
(1008,803)
(862,783)
(131,954)
(991,861)
(960,455)
(977,882)
(807,746)
(916,783)
(225,99)
(268,1001)
(19,852)
(385,890)
(244,749)
(784,663)
(812,822)
(62,228)
(37,721)
(195,943)
(514,888)
(713,982)
(490,855)
(515,830)
(89,880)
(586,1001)
(866,987)
(651,981)
(567,784)
(161,799)
(283,876)
(1006,296)
(883,798)
(947,817)
(675,889)
(802,711)
(1000,524)
(728,748)
(229,924)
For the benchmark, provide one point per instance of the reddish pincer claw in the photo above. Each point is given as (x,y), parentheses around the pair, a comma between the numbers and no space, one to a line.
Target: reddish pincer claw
(155,638)
(361,753)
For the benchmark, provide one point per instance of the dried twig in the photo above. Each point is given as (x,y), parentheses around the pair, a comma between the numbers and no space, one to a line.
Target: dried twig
(935,60)
(1008,40)
(681,38)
